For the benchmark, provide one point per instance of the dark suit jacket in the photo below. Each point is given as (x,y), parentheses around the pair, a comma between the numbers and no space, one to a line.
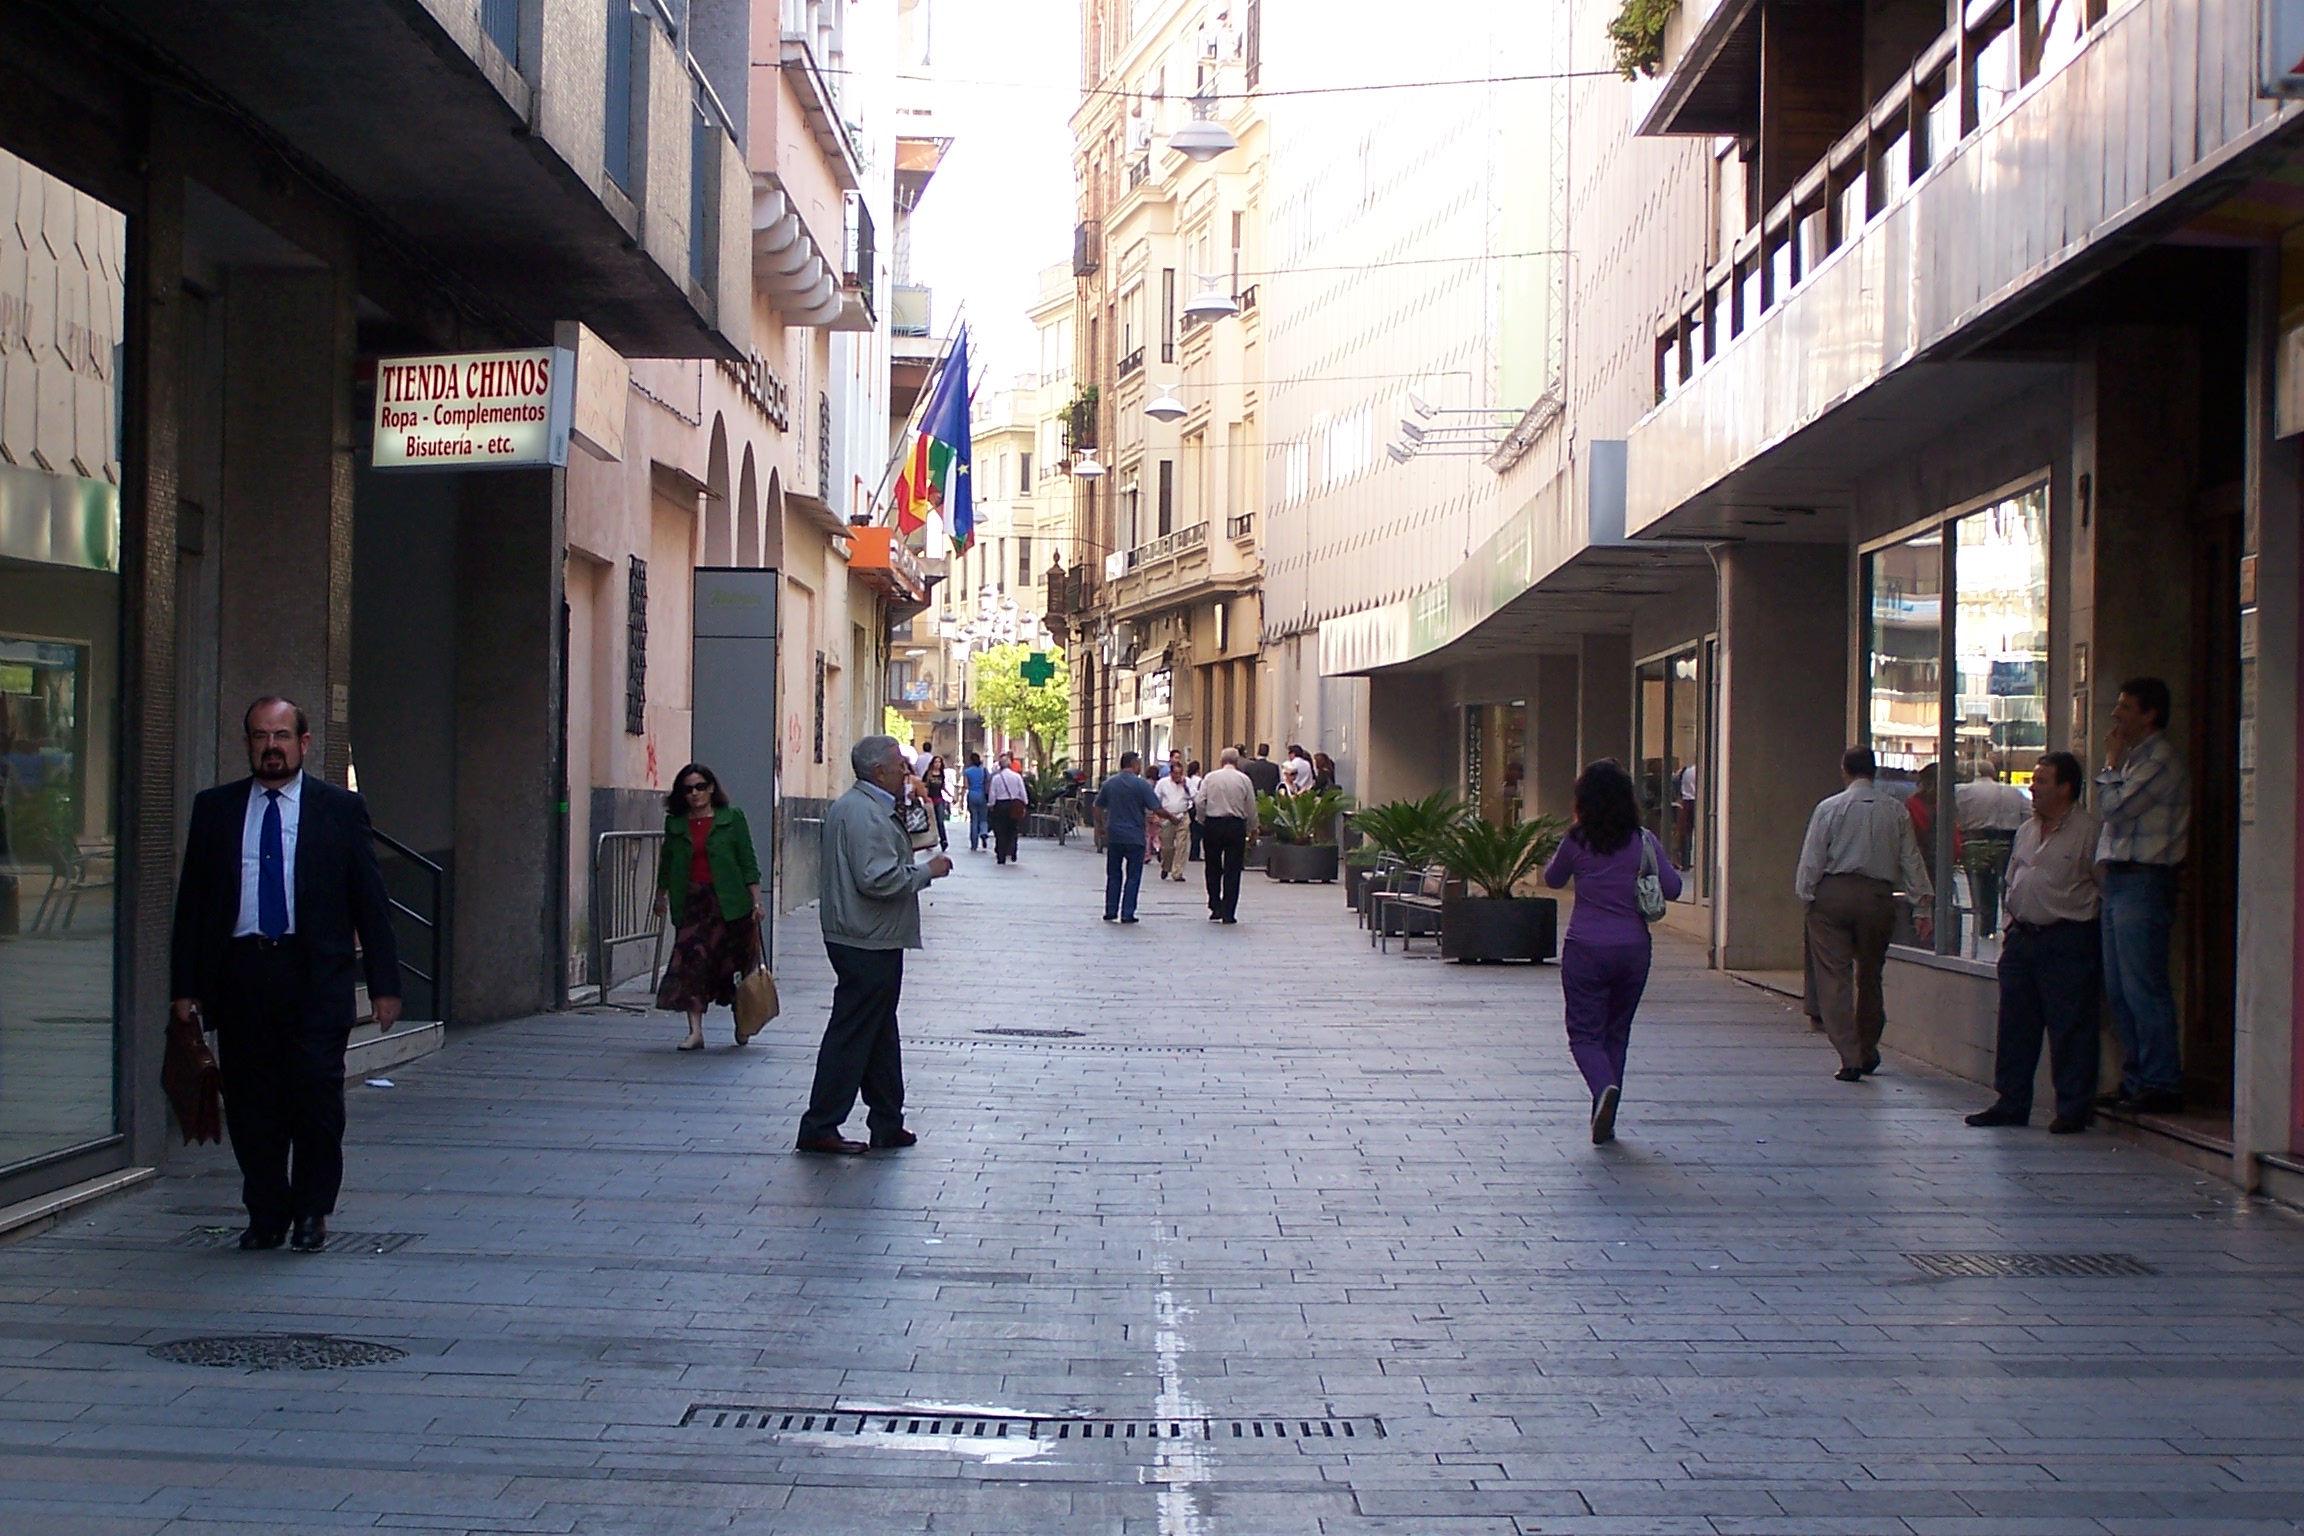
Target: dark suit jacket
(339,895)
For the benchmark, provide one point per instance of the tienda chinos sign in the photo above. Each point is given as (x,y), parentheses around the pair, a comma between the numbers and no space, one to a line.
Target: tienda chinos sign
(482,410)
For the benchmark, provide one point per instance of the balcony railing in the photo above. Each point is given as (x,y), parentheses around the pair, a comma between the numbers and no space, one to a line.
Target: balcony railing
(1247,298)
(1139,173)
(1240,526)
(1131,362)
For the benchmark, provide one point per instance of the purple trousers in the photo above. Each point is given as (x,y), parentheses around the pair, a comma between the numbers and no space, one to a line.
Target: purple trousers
(1601,986)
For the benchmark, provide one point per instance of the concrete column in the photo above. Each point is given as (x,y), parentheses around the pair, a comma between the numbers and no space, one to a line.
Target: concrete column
(1604,699)
(1784,636)
(285,613)
(1409,749)
(506,913)
(1555,728)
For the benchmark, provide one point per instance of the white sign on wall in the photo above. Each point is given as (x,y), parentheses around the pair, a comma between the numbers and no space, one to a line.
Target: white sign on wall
(480,410)
(2280,47)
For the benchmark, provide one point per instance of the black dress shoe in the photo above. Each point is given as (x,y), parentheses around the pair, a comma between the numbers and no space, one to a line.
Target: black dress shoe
(310,1234)
(2070,1125)
(1849,1075)
(1998,1114)
(257,1238)
(2158,1101)
(2118,1098)
(889,1141)
(833,1146)
(1872,1066)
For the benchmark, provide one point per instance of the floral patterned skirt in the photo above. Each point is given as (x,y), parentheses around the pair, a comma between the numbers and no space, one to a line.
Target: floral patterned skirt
(707,954)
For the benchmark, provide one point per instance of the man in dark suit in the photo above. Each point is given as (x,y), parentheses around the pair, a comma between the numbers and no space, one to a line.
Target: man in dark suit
(279,877)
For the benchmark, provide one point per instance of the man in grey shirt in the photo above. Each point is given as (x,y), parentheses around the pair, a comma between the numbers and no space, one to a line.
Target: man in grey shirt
(1859,846)
(869,906)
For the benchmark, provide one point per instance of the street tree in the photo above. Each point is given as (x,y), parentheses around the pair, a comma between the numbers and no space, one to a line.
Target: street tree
(1011,704)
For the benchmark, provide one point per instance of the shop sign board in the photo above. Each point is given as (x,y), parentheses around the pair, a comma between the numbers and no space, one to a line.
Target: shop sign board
(479,410)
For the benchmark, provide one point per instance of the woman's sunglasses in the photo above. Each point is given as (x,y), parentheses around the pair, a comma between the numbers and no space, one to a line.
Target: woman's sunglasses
(696,786)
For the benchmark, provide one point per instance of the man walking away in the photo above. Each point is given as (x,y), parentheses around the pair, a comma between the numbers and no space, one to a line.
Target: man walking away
(1262,772)
(1007,800)
(2050,966)
(279,878)
(1175,792)
(1129,804)
(869,907)
(1989,813)
(976,779)
(2144,800)
(1227,811)
(1859,843)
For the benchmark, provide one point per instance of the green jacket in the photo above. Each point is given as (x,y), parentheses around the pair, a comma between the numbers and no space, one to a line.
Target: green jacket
(728,846)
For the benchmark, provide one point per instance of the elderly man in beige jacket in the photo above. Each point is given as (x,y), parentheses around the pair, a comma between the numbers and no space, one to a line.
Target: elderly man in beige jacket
(870,911)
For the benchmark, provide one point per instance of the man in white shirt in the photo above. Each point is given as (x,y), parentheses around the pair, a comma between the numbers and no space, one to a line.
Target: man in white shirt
(1227,811)
(1858,849)
(1008,801)
(1176,799)
(2051,968)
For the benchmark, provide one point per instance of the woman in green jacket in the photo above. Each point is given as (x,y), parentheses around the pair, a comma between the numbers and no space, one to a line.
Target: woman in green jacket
(709,881)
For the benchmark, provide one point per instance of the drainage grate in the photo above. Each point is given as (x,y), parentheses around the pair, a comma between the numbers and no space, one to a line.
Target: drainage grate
(2027,1266)
(910,1424)
(338,1242)
(1036,1034)
(1042,1043)
(277,1352)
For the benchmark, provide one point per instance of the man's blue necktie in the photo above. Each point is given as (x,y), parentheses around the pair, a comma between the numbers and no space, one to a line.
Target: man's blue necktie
(271,873)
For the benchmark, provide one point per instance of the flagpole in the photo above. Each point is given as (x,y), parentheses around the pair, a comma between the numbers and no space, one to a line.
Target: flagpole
(919,408)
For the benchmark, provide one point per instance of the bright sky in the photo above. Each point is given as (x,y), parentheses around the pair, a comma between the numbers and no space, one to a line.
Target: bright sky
(1007,78)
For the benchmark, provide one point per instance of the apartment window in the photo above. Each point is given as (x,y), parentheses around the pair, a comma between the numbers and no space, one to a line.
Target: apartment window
(616,150)
(636,648)
(1253,50)
(1167,314)
(1023,563)
(1239,236)
(703,184)
(1957,674)
(500,19)
(1024,474)
(1167,509)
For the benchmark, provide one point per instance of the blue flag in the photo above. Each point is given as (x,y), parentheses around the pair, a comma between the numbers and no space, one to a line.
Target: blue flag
(951,449)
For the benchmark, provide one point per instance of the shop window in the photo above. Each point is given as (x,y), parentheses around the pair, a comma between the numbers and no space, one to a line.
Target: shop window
(1957,673)
(59,666)
(1496,759)
(1671,732)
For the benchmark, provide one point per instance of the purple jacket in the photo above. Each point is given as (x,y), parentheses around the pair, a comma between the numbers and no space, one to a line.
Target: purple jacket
(1607,913)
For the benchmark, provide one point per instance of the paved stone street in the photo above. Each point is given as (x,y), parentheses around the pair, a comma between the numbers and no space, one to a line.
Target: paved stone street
(1312,1237)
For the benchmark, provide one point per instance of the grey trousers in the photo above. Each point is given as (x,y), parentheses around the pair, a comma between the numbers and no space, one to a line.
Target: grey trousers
(1849,923)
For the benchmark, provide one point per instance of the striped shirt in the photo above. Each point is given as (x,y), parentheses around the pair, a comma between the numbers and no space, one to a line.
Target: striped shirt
(2145,805)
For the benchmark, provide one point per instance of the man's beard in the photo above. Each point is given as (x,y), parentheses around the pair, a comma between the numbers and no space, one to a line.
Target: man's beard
(273,765)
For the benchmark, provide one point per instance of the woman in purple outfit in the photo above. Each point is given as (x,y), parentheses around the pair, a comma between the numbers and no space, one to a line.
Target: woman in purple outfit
(1604,963)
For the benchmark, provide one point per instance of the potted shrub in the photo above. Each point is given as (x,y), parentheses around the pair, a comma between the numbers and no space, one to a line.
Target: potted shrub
(1490,922)
(1409,830)
(1303,831)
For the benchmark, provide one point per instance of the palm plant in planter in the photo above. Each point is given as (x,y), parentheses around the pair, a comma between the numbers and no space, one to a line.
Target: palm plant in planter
(1408,830)
(1303,829)
(1497,924)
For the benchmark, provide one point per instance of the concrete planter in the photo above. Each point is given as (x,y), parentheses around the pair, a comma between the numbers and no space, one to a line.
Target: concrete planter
(1489,928)
(1259,853)
(1300,864)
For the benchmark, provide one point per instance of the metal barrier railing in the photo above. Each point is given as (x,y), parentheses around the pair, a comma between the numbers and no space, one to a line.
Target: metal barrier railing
(432,921)
(624,900)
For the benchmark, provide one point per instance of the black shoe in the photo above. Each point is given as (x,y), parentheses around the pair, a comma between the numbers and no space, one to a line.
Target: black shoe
(2158,1101)
(1231,920)
(1127,919)
(1849,1075)
(891,1141)
(1604,1115)
(1111,917)
(310,1234)
(1998,1114)
(2118,1098)
(2070,1125)
(1872,1066)
(833,1146)
(1215,917)
(257,1238)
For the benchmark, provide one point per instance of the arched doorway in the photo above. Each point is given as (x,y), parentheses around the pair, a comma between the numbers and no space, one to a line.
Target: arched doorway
(719,548)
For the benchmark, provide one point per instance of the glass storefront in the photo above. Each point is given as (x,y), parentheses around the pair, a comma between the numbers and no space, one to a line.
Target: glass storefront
(61,293)
(1670,778)
(1971,692)
(1496,760)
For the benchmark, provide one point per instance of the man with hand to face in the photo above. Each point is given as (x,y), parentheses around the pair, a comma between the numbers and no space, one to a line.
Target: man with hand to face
(280,891)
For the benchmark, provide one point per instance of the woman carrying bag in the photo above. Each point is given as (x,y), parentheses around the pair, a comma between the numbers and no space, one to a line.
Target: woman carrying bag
(1622,881)
(709,883)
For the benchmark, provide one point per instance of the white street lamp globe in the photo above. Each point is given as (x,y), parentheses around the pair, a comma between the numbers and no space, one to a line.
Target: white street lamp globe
(1166,408)
(1211,302)
(1202,140)
(1086,467)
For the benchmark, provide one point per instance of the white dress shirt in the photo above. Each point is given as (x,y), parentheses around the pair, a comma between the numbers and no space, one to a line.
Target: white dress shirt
(252,851)
(1990,805)
(2052,875)
(1863,830)
(1175,796)
(1007,784)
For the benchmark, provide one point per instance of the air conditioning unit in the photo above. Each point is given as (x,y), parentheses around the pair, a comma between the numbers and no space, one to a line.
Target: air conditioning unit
(1139,133)
(1211,45)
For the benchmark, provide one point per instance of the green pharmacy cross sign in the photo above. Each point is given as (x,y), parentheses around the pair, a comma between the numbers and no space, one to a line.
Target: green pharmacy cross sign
(1037,669)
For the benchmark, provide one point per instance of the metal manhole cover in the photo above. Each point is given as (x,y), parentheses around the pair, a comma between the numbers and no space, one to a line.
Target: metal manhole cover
(920,1426)
(2027,1266)
(276,1352)
(1036,1034)
(338,1242)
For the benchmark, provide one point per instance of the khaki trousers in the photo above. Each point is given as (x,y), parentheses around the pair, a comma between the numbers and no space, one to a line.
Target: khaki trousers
(1175,843)
(1848,927)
